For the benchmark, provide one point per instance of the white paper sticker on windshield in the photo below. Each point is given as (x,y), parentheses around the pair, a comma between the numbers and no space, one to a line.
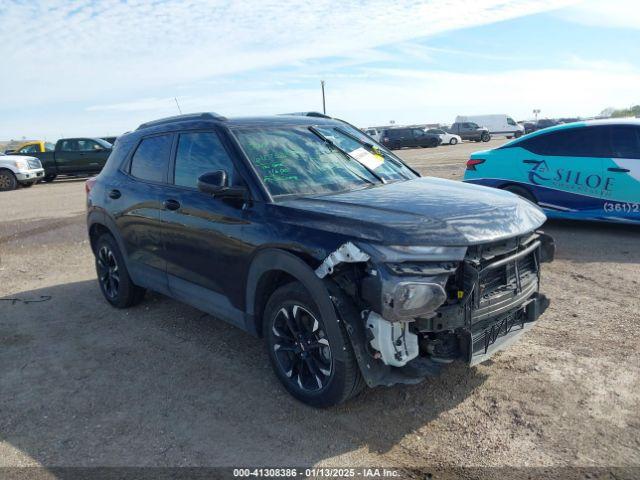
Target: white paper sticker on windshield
(366,158)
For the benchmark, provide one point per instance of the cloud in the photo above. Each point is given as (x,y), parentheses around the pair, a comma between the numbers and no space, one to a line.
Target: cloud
(77,51)
(599,13)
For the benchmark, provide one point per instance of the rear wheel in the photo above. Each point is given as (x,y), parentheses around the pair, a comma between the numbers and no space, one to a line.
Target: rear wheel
(8,181)
(302,350)
(453,141)
(116,285)
(521,191)
(49,178)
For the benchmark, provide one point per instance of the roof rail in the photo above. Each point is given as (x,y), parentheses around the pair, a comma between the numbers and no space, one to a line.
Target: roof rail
(182,118)
(307,114)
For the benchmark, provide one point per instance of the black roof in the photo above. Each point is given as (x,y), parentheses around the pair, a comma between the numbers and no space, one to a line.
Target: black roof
(201,120)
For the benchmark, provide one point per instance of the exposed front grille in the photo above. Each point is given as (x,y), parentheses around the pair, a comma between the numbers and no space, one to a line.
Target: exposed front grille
(501,275)
(34,163)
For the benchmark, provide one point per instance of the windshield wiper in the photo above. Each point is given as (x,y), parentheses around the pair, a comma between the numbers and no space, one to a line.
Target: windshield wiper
(328,141)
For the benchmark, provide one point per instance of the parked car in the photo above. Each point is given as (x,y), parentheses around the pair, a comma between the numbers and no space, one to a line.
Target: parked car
(110,140)
(29,148)
(585,170)
(469,131)
(445,137)
(74,156)
(373,132)
(396,138)
(19,170)
(354,269)
(496,124)
(528,127)
(546,123)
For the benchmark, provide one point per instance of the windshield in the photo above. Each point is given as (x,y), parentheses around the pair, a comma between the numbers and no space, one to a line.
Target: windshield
(296,161)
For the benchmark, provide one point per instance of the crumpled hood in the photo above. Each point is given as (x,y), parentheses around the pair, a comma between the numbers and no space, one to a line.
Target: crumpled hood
(423,211)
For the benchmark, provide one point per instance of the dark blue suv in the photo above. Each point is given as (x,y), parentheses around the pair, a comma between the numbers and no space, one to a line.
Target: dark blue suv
(305,231)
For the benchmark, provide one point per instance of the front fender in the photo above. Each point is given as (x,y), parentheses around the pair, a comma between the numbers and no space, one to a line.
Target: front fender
(272,259)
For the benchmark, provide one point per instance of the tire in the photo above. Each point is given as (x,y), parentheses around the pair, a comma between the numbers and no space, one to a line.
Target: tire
(509,138)
(453,141)
(396,146)
(522,192)
(49,178)
(518,134)
(8,180)
(299,348)
(113,276)
(485,137)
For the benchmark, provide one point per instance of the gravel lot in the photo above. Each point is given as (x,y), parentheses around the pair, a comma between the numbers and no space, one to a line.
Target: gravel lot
(83,384)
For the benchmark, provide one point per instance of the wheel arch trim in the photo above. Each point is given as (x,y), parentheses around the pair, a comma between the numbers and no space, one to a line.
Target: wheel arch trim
(272,259)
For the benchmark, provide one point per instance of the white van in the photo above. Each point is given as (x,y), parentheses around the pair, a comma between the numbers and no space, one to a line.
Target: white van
(497,124)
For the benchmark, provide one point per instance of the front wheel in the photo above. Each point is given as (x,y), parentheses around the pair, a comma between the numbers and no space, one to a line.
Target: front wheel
(485,137)
(113,277)
(522,192)
(453,141)
(8,181)
(302,350)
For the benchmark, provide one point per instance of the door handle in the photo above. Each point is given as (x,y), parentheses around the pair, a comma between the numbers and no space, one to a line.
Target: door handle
(171,204)
(115,194)
(618,170)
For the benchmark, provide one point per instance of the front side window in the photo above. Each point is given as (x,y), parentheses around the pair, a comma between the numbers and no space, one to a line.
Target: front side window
(69,146)
(511,121)
(418,133)
(198,153)
(296,161)
(86,145)
(49,147)
(151,158)
(29,149)
(625,142)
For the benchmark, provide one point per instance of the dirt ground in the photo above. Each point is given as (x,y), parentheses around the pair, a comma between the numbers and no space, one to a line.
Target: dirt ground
(162,384)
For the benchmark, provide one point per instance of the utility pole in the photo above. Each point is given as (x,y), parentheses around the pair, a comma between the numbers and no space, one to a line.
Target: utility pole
(324,106)
(536,111)
(178,105)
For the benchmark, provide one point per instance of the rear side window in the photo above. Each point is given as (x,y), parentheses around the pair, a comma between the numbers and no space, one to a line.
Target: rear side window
(151,158)
(198,153)
(69,146)
(573,142)
(625,142)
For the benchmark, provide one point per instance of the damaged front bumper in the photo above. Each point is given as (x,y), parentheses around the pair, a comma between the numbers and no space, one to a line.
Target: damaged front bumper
(481,343)
(492,298)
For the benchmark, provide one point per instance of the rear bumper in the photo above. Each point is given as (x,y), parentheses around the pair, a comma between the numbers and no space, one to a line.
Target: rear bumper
(481,343)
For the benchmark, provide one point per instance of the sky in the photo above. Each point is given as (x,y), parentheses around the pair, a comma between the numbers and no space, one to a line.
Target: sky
(102,67)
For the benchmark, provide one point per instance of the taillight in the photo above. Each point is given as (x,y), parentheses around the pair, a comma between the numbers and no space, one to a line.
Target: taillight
(385,139)
(471,163)
(88,185)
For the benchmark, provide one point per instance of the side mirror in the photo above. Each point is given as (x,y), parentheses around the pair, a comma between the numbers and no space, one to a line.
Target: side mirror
(217,183)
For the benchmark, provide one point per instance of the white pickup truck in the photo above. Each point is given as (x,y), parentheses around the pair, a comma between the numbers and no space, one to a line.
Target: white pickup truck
(18,170)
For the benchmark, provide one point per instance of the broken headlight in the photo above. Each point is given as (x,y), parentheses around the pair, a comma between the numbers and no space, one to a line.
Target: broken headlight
(413,299)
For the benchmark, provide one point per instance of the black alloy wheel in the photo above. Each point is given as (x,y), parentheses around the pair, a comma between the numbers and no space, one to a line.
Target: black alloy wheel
(301,347)
(113,277)
(108,272)
(313,359)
